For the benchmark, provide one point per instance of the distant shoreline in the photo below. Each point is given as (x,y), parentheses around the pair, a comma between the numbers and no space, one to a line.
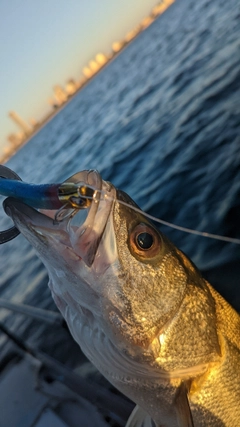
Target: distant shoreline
(55,112)
(51,115)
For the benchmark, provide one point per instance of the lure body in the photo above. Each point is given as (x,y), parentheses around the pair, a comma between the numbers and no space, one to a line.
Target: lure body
(45,196)
(61,197)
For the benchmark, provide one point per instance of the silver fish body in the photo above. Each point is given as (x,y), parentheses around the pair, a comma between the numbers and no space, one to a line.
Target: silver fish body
(141,312)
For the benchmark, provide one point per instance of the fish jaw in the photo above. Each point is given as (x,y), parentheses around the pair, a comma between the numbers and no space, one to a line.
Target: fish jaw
(75,257)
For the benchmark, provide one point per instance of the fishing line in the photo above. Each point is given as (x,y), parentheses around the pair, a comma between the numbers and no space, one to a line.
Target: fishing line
(167,223)
(69,197)
(180,228)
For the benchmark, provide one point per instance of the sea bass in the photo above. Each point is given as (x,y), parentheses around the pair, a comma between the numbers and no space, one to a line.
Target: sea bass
(139,309)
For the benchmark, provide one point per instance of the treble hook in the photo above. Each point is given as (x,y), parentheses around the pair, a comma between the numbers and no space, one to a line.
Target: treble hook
(10,233)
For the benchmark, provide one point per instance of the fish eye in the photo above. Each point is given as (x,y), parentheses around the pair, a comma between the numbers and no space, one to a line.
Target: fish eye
(144,241)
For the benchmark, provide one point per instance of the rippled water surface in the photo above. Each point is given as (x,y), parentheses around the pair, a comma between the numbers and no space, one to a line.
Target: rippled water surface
(162,122)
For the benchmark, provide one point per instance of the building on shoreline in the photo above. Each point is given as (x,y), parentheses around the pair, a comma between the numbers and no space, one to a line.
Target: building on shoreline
(24,126)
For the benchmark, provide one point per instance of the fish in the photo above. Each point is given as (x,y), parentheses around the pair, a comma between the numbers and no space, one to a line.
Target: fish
(139,309)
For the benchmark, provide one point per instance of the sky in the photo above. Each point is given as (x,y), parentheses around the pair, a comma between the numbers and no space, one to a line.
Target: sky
(46,42)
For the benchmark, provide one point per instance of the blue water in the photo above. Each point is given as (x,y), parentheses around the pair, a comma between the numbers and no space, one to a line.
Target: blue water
(162,122)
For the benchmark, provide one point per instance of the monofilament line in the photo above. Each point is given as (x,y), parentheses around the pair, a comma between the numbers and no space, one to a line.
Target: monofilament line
(185,229)
(171,225)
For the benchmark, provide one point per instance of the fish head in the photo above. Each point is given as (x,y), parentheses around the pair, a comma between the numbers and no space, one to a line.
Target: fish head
(121,285)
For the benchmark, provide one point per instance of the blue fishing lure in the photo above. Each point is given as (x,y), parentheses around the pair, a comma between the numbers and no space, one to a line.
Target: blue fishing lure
(44,196)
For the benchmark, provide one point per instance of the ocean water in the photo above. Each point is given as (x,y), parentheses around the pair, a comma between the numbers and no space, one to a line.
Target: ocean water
(162,122)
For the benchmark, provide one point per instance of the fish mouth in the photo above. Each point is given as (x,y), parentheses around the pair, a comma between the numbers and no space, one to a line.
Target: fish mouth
(81,231)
